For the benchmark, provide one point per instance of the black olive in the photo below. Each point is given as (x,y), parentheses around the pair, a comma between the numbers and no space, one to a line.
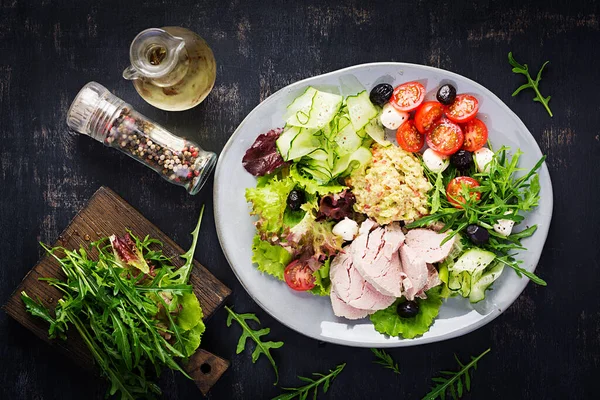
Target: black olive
(381,94)
(446,94)
(408,309)
(478,235)
(295,199)
(462,160)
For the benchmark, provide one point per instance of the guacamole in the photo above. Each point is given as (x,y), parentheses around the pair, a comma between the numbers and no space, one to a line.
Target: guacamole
(392,187)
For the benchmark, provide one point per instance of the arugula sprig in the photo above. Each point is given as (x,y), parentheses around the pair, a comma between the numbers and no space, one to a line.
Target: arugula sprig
(454,382)
(386,360)
(312,384)
(503,195)
(531,83)
(255,335)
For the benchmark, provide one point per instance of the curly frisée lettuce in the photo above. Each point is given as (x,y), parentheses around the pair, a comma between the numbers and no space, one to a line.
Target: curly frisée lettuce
(388,321)
(269,204)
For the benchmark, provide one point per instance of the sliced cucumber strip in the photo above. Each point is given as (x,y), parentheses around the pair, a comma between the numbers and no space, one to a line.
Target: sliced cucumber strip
(349,162)
(304,143)
(284,142)
(479,287)
(314,109)
(376,131)
(298,113)
(361,110)
(347,140)
(473,260)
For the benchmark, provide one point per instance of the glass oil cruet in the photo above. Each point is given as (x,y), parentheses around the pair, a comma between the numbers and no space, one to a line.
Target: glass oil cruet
(172,68)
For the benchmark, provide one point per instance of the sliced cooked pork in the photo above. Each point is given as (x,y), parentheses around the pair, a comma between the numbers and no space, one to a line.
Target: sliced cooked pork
(427,244)
(415,269)
(352,288)
(378,262)
(433,280)
(341,309)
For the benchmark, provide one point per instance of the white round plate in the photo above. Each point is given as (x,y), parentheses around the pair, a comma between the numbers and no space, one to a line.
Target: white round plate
(312,315)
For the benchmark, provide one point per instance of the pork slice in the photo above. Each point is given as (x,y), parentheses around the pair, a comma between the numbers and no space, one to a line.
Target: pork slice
(433,280)
(415,269)
(352,288)
(380,264)
(341,309)
(427,244)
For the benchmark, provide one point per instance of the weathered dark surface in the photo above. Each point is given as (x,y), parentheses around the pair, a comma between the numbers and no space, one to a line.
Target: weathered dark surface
(546,346)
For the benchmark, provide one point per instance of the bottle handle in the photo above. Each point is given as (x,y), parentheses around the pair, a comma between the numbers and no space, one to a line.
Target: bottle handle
(130,73)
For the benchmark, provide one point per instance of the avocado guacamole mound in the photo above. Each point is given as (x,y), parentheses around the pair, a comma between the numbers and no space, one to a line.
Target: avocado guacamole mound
(392,187)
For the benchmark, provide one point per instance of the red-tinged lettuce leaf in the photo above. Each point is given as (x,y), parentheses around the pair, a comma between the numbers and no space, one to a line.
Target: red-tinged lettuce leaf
(336,206)
(262,157)
(127,253)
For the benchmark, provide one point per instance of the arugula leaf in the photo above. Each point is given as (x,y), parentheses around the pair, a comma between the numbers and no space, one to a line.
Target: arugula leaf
(313,384)
(255,335)
(270,258)
(388,321)
(36,308)
(386,360)
(454,382)
(182,275)
(531,83)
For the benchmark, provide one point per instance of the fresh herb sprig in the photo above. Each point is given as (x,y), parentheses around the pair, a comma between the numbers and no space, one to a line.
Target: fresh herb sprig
(453,382)
(531,83)
(255,335)
(503,195)
(312,384)
(127,319)
(386,360)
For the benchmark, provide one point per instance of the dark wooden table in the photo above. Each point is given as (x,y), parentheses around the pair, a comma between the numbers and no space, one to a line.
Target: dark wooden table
(546,346)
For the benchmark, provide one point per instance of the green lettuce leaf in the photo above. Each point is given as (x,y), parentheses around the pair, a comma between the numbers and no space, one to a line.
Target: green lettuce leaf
(322,281)
(191,339)
(390,323)
(191,312)
(271,259)
(269,203)
(312,186)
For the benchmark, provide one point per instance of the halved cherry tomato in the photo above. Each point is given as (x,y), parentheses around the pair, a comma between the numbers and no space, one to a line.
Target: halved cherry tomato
(476,135)
(463,109)
(409,138)
(408,96)
(427,115)
(299,276)
(445,137)
(454,190)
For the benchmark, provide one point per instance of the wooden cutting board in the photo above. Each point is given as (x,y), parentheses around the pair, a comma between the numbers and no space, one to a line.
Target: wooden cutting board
(105,214)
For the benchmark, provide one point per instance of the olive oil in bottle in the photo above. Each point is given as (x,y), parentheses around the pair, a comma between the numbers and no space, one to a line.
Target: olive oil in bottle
(172,68)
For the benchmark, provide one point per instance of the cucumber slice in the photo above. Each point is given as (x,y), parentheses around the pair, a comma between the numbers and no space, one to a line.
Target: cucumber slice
(298,112)
(472,261)
(349,162)
(376,131)
(322,109)
(347,140)
(284,142)
(304,143)
(479,287)
(361,110)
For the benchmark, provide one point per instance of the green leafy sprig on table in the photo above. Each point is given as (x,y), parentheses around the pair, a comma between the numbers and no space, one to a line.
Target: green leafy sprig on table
(133,323)
(454,382)
(255,335)
(531,83)
(503,196)
(386,360)
(312,384)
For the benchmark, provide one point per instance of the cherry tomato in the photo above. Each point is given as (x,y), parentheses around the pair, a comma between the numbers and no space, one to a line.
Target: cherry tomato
(454,190)
(445,137)
(408,96)
(427,115)
(463,109)
(476,135)
(299,276)
(409,138)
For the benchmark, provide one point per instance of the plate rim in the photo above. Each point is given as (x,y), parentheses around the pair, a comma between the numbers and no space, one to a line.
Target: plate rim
(403,342)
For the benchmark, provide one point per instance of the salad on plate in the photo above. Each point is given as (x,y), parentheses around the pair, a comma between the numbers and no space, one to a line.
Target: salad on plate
(388,229)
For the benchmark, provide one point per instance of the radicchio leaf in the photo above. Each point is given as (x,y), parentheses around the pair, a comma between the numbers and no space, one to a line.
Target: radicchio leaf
(262,157)
(336,206)
(127,253)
